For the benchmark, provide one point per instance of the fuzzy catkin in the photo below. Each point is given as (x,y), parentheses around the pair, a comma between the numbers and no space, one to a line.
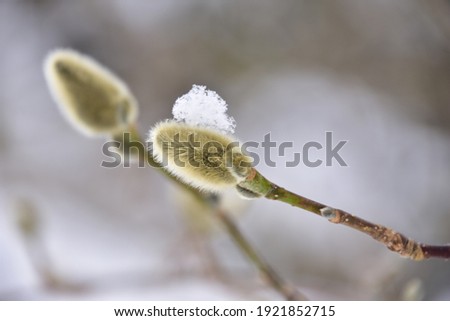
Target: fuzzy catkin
(199,156)
(91,97)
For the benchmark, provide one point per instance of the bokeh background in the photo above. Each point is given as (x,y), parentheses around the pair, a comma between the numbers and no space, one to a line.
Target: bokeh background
(374,73)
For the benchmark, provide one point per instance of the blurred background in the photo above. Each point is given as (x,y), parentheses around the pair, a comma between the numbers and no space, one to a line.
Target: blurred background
(374,73)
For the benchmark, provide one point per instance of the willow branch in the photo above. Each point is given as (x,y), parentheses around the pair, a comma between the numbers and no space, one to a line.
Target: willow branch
(288,292)
(393,240)
(268,273)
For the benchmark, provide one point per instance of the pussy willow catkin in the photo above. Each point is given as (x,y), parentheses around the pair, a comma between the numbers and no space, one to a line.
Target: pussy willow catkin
(201,157)
(93,99)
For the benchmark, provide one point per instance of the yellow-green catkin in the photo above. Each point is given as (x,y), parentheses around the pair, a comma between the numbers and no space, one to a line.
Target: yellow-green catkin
(91,97)
(199,156)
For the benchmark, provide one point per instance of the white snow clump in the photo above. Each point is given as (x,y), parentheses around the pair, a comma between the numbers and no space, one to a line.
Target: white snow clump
(204,108)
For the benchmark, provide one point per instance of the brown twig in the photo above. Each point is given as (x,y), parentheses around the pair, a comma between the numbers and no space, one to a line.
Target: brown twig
(393,240)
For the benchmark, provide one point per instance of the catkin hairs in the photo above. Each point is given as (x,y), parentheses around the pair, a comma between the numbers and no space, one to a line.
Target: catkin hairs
(199,156)
(91,97)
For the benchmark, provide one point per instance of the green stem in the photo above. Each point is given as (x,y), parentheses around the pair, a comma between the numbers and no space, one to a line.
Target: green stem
(287,291)
(393,240)
(265,269)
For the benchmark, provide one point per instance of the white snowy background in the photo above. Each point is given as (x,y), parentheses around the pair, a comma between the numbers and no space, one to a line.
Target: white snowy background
(374,73)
